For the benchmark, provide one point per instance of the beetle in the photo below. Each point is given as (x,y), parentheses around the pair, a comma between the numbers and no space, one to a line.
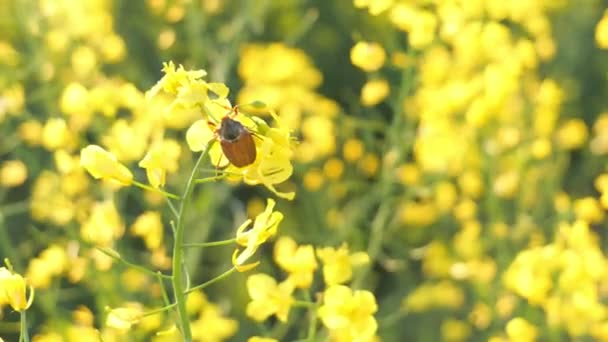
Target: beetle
(236,141)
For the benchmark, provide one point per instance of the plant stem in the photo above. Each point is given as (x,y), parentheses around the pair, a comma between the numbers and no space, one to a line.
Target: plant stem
(312,325)
(178,252)
(210,244)
(303,304)
(210,179)
(207,283)
(114,255)
(159,310)
(15,208)
(163,290)
(23,335)
(151,188)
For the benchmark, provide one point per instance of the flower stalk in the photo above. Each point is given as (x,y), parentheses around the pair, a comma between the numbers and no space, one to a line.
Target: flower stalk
(177,279)
(23,335)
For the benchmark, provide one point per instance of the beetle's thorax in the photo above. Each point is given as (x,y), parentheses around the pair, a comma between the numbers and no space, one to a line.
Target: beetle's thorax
(230,129)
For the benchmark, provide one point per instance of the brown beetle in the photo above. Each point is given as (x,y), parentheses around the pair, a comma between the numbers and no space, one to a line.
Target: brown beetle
(236,141)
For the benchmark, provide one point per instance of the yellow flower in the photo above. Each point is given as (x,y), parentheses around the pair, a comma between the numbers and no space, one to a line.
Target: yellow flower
(102,164)
(127,140)
(455,330)
(13,98)
(338,263)
(161,158)
(353,150)
(529,275)
(368,56)
(420,24)
(541,148)
(149,227)
(298,261)
(212,325)
(445,196)
(265,226)
(13,290)
(506,184)
(268,298)
(200,133)
(518,329)
(418,213)
(104,225)
(274,64)
(273,162)
(175,79)
(50,263)
(123,318)
(195,302)
(74,99)
(374,92)
(589,210)
(409,174)
(56,134)
(572,134)
(274,149)
(375,7)
(12,173)
(348,314)
(441,295)
(601,32)
(30,131)
(313,180)
(187,86)
(471,183)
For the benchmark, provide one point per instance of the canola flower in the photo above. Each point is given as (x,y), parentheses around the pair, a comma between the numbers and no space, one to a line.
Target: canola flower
(451,162)
(264,227)
(268,298)
(13,292)
(101,164)
(298,261)
(348,314)
(338,263)
(272,165)
(123,318)
(273,144)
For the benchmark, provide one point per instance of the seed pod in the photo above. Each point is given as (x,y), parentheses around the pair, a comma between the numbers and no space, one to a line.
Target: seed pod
(237,142)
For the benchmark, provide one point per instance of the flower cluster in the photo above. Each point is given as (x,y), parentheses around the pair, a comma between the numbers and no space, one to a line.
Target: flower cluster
(347,314)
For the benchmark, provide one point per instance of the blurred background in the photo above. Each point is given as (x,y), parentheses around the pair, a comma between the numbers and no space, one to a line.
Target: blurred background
(461,144)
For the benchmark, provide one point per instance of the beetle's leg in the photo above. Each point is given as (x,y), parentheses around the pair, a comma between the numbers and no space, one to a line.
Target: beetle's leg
(234,111)
(212,126)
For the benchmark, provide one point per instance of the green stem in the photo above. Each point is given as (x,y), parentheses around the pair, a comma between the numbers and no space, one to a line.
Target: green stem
(151,188)
(312,325)
(172,207)
(303,304)
(114,255)
(163,290)
(163,309)
(209,179)
(216,279)
(15,208)
(375,242)
(178,252)
(23,335)
(210,244)
(222,172)
(391,319)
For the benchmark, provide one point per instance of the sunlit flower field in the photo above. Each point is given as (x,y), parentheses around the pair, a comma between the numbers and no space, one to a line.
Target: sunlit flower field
(303,170)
